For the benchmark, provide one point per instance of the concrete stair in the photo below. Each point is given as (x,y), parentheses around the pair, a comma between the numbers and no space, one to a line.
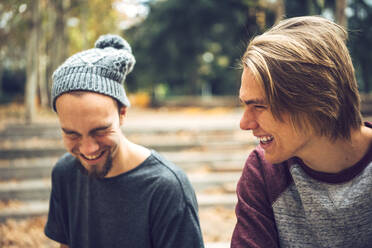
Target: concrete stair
(39,189)
(32,208)
(215,149)
(24,168)
(212,154)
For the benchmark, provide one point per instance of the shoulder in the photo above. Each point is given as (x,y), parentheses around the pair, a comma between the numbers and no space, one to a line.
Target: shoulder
(264,177)
(171,180)
(167,170)
(65,164)
(256,166)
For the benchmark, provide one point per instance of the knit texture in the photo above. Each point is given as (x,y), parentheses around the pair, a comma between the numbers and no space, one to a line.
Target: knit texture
(102,69)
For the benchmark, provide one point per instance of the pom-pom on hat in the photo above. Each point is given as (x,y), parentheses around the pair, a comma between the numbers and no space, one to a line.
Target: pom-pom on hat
(101,69)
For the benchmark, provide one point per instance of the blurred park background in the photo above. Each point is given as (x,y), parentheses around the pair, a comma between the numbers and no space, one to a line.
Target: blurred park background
(183,48)
(183,91)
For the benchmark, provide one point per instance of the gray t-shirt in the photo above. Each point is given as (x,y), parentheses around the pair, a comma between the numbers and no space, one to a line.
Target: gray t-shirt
(151,206)
(291,205)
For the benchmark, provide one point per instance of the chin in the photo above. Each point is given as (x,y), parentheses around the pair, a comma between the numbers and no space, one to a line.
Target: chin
(274,160)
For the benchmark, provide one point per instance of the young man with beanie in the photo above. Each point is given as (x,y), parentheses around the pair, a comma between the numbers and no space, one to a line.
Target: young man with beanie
(108,191)
(309,182)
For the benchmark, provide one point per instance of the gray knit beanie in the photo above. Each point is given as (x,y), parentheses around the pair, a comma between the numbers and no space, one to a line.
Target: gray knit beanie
(101,69)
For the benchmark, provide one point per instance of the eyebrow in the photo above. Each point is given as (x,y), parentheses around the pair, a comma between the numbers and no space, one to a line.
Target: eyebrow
(254,101)
(68,131)
(100,128)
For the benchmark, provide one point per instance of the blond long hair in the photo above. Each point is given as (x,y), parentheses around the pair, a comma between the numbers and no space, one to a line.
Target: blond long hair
(305,70)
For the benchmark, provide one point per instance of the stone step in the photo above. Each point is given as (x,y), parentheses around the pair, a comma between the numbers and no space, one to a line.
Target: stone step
(24,210)
(21,131)
(202,181)
(39,189)
(23,168)
(182,138)
(217,245)
(144,138)
(212,200)
(161,147)
(25,190)
(39,208)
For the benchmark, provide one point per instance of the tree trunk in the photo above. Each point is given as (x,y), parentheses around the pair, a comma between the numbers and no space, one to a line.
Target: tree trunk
(32,65)
(1,76)
(60,36)
(84,23)
(42,76)
(57,52)
(43,82)
(340,16)
(279,11)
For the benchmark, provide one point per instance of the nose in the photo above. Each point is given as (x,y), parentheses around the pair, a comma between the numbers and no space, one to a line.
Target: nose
(88,146)
(248,121)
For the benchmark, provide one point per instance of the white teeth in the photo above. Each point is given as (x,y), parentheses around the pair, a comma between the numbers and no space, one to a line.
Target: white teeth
(266,138)
(92,157)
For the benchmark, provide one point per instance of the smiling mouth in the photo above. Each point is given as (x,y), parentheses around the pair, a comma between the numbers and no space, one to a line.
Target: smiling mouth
(93,157)
(265,139)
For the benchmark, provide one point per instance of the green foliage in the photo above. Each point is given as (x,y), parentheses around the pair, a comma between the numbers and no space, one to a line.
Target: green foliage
(359,15)
(93,18)
(183,47)
(14,30)
(301,8)
(192,45)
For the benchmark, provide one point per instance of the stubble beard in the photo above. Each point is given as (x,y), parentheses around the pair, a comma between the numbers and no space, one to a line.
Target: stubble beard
(94,171)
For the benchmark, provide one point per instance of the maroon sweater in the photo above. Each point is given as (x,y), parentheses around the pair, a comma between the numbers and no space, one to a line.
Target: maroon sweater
(291,205)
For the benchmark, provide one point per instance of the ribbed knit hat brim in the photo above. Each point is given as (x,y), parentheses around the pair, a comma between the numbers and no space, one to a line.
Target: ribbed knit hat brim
(88,81)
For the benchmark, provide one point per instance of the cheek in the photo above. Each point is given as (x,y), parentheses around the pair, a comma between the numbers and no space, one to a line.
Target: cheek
(266,123)
(69,144)
(114,139)
(108,140)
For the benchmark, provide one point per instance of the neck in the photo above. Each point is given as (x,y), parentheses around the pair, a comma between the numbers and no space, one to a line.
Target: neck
(330,156)
(128,157)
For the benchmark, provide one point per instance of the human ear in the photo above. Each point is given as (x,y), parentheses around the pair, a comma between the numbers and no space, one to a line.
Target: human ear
(122,114)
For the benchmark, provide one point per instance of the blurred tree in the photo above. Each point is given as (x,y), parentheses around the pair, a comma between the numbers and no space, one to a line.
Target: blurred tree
(42,51)
(90,19)
(194,46)
(58,51)
(304,7)
(13,31)
(74,25)
(340,16)
(359,24)
(275,9)
(182,47)
(38,42)
(32,62)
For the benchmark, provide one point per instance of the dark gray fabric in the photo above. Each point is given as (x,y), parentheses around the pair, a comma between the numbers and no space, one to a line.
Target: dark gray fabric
(152,205)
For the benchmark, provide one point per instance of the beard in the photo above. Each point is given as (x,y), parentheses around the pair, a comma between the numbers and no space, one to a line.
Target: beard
(94,171)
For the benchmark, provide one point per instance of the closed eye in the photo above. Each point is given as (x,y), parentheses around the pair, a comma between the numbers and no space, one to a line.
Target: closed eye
(101,133)
(260,106)
(72,135)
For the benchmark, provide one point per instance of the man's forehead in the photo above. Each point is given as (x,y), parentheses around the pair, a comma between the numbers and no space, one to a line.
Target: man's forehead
(250,89)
